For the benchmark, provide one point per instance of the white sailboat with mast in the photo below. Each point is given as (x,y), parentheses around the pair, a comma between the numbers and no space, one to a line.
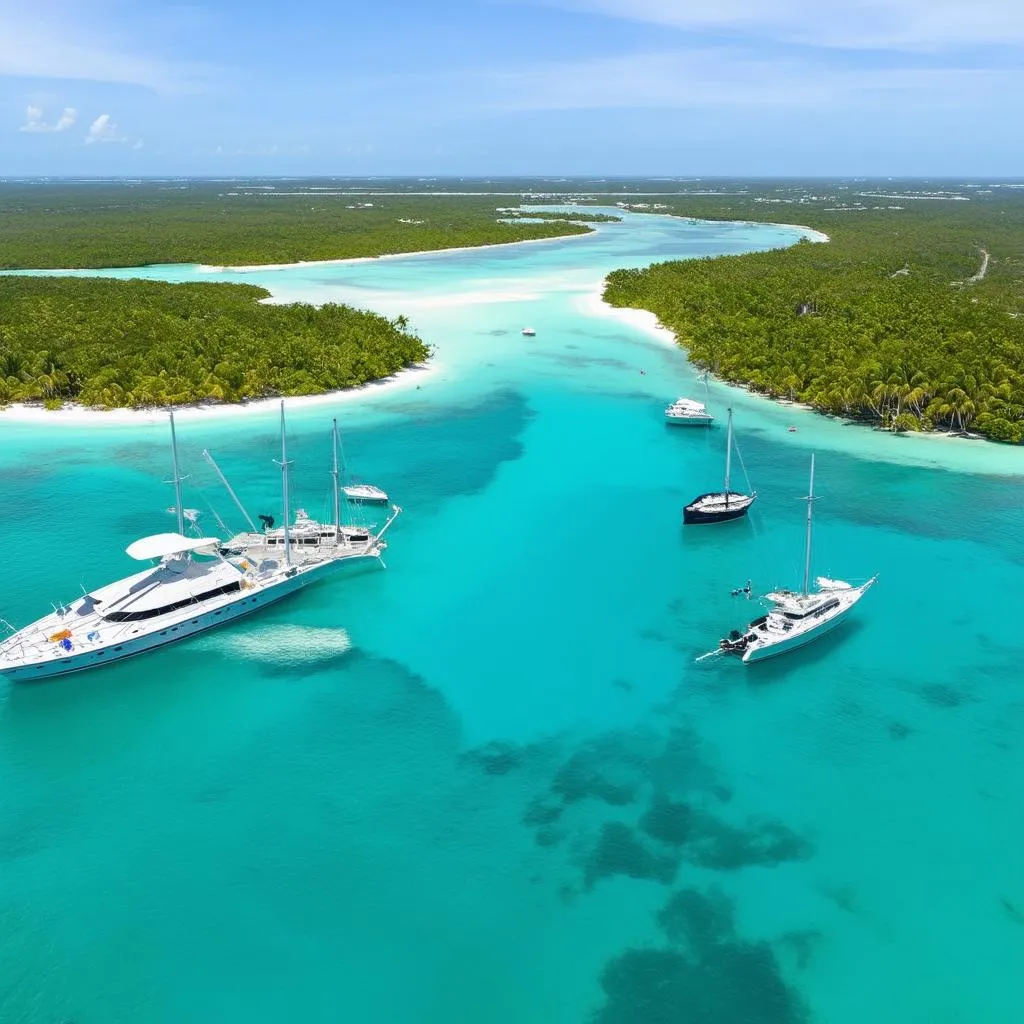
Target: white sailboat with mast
(194,585)
(796,618)
(356,491)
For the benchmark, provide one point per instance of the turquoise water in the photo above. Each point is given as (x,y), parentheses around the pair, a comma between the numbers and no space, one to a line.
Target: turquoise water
(490,784)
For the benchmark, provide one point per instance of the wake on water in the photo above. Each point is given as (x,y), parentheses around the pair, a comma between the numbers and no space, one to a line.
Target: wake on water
(285,644)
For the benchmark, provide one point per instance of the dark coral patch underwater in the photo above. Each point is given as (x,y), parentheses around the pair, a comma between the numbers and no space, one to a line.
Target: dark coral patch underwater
(708,975)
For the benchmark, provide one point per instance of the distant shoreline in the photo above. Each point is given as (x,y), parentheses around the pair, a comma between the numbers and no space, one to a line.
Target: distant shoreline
(73,414)
(253,268)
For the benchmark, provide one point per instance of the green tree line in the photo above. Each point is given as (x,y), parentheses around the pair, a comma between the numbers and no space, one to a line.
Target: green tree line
(109,343)
(131,225)
(885,323)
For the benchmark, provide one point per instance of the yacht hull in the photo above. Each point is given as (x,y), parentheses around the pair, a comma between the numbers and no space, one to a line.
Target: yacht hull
(246,602)
(736,509)
(689,421)
(366,499)
(762,652)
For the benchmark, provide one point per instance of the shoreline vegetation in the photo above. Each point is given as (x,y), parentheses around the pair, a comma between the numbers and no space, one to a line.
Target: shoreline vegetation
(104,344)
(911,318)
(110,225)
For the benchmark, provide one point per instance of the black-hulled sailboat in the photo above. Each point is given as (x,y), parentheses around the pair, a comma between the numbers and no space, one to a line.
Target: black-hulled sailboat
(724,505)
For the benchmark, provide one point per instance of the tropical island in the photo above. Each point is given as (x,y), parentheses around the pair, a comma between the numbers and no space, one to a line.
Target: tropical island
(910,318)
(111,344)
(135,224)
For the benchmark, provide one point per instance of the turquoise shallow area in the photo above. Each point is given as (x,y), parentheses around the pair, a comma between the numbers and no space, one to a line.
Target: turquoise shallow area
(490,784)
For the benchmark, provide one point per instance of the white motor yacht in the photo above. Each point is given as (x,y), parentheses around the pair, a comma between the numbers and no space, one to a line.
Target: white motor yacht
(365,494)
(528,332)
(796,618)
(195,585)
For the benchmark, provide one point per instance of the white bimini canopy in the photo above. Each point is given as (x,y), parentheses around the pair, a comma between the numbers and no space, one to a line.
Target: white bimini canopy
(161,545)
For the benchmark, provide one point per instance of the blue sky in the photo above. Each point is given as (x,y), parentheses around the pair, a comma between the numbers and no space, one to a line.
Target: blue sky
(677,87)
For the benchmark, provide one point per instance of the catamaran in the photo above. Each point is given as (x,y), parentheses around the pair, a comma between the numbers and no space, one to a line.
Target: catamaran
(687,412)
(720,506)
(195,584)
(796,618)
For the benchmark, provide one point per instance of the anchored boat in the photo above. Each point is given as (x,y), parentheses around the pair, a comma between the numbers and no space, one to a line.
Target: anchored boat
(724,505)
(796,617)
(194,585)
(687,412)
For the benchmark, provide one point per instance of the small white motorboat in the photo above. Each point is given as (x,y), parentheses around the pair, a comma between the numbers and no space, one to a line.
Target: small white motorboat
(365,493)
(529,332)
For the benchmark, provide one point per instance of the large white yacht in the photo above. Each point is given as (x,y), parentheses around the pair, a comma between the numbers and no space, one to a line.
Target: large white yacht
(194,585)
(796,618)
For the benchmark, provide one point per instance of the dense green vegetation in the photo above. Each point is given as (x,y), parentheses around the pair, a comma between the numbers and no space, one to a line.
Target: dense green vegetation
(130,225)
(133,343)
(114,343)
(885,323)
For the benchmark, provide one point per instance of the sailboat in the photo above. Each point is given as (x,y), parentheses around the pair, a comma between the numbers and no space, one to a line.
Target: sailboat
(306,538)
(796,618)
(355,491)
(724,505)
(195,584)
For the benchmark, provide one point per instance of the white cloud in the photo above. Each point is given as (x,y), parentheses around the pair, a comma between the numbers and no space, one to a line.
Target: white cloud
(34,120)
(104,130)
(846,24)
(50,39)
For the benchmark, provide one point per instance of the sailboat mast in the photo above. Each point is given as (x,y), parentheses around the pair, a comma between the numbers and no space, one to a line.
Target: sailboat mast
(728,456)
(178,508)
(284,491)
(337,482)
(810,520)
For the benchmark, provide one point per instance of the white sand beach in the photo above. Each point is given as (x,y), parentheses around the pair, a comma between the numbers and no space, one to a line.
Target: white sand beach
(71,415)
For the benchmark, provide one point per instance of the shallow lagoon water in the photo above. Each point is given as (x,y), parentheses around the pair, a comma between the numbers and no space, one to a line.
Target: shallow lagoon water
(490,783)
